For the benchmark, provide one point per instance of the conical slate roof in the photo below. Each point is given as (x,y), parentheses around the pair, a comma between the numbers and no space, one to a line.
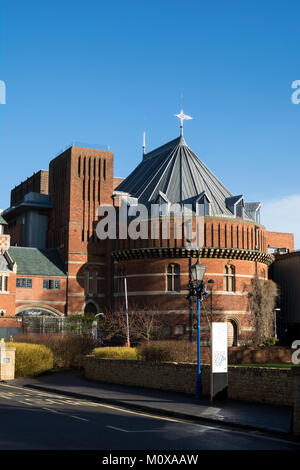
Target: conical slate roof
(175,173)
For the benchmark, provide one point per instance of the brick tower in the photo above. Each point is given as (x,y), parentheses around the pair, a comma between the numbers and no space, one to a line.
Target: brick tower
(80,179)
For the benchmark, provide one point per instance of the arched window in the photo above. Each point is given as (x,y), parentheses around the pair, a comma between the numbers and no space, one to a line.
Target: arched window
(229,278)
(120,280)
(90,308)
(232,333)
(173,278)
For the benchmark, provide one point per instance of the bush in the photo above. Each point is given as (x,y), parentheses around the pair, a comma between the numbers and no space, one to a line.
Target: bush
(168,351)
(116,353)
(31,359)
(271,341)
(69,350)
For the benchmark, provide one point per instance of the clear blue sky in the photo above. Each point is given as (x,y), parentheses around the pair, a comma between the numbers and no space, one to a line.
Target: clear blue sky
(103,71)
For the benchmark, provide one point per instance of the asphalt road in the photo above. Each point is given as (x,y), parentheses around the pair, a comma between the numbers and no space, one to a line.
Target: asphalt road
(35,420)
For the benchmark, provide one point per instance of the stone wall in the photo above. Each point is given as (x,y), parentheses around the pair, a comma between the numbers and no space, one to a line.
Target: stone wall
(296,415)
(254,384)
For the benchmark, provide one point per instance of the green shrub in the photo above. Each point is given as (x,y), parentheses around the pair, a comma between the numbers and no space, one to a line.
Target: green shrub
(271,341)
(168,351)
(31,359)
(116,353)
(69,350)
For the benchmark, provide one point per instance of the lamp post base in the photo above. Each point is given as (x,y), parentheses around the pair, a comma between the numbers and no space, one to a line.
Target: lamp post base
(199,386)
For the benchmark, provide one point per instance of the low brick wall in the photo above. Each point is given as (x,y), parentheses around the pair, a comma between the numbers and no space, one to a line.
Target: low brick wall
(254,384)
(261,385)
(296,414)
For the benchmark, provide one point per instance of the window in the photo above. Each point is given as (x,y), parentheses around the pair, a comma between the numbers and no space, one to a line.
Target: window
(52,284)
(3,283)
(178,330)
(95,282)
(24,283)
(120,280)
(203,205)
(229,278)
(173,278)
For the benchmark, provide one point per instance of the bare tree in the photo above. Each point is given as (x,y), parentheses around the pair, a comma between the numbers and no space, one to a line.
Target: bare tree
(262,301)
(143,326)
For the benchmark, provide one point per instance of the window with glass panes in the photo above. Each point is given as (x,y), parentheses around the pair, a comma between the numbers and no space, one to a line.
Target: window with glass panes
(24,283)
(173,278)
(51,284)
(3,283)
(120,280)
(229,278)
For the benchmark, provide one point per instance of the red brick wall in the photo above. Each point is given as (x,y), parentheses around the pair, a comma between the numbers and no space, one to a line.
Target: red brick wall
(37,297)
(37,183)
(16,235)
(280,240)
(80,180)
(7,300)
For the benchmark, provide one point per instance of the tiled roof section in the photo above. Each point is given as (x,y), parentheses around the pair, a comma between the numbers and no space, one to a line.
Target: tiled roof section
(176,171)
(33,261)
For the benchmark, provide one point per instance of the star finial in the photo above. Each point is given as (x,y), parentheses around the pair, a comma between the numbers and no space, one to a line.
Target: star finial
(182,117)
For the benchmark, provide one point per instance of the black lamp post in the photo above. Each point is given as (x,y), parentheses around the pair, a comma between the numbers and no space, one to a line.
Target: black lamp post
(197,289)
(211,286)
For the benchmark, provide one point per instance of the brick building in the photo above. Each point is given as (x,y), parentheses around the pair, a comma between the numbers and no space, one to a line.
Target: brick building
(54,227)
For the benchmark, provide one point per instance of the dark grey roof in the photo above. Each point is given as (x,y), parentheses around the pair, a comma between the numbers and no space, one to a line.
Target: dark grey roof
(174,171)
(33,261)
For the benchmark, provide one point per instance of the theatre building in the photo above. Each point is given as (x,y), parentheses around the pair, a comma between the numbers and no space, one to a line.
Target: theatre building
(53,262)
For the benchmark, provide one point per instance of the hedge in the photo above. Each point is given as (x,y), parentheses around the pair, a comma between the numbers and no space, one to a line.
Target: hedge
(69,350)
(116,353)
(168,351)
(31,359)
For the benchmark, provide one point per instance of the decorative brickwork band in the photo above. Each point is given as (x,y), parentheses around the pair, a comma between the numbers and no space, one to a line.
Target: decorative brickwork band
(175,252)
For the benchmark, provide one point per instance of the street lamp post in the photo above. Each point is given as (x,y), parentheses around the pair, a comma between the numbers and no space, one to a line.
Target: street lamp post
(126,308)
(211,286)
(275,320)
(197,289)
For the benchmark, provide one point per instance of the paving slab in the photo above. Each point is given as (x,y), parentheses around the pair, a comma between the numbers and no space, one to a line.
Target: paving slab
(262,417)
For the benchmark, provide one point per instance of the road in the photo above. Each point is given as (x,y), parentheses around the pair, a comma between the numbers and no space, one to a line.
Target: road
(36,420)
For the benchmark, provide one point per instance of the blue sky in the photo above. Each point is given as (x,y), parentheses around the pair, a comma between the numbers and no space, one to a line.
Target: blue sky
(102,72)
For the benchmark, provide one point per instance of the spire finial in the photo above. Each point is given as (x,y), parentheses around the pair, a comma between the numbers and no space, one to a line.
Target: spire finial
(144,143)
(182,117)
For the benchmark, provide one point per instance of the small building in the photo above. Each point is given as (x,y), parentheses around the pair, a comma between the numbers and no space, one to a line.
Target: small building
(285,271)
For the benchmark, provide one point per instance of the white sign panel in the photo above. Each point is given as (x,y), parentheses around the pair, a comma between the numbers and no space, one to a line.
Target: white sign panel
(219,347)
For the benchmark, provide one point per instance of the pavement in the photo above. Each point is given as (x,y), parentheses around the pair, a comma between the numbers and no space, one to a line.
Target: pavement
(251,416)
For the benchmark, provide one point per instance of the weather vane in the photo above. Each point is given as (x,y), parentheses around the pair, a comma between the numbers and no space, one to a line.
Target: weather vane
(182,117)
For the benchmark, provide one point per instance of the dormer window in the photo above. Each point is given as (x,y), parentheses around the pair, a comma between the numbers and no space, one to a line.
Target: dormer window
(240,209)
(202,204)
(236,205)
(164,204)
(253,210)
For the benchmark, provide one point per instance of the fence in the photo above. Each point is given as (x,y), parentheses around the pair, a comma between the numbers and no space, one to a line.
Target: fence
(51,325)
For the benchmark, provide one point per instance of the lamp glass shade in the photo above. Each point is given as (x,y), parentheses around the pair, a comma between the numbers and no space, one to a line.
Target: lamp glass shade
(198,271)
